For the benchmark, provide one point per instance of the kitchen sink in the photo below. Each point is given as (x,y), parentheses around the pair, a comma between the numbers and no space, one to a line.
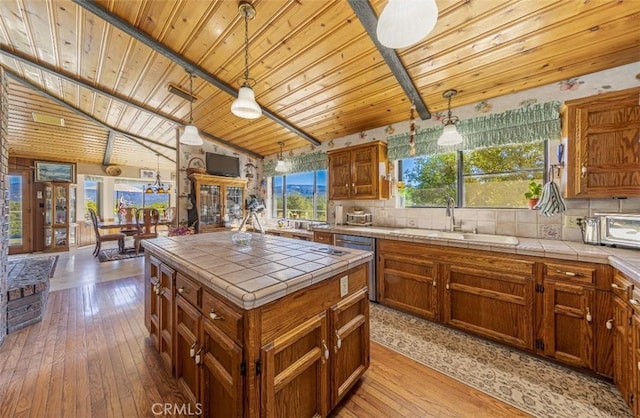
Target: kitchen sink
(463,236)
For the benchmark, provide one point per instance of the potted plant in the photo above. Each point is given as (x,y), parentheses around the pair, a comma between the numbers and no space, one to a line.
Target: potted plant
(535,190)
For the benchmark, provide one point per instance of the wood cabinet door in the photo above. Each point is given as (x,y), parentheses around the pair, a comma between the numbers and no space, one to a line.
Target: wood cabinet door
(604,151)
(622,354)
(364,173)
(340,175)
(166,281)
(408,284)
(349,342)
(188,349)
(152,310)
(295,376)
(493,304)
(568,314)
(635,364)
(221,373)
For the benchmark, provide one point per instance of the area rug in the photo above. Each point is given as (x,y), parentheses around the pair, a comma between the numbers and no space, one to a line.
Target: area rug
(112,254)
(531,384)
(32,270)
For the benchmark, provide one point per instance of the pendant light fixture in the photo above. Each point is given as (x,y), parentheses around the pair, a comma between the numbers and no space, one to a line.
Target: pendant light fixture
(404,23)
(450,135)
(245,106)
(281,165)
(190,135)
(157,187)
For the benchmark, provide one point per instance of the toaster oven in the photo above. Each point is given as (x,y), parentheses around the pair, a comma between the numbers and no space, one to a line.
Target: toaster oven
(614,229)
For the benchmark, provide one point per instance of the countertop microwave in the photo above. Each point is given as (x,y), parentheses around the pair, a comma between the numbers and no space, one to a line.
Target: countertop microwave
(614,229)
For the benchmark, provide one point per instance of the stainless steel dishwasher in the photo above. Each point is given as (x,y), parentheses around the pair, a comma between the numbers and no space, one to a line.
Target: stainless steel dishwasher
(367,244)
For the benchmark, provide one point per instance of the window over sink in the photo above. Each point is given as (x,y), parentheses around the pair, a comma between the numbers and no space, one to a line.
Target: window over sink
(493,177)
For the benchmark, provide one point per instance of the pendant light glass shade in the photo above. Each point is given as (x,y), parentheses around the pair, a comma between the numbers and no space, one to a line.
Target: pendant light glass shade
(404,23)
(190,135)
(450,135)
(245,106)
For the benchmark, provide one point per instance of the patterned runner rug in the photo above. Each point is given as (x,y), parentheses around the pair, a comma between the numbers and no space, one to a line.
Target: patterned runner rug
(535,386)
(112,254)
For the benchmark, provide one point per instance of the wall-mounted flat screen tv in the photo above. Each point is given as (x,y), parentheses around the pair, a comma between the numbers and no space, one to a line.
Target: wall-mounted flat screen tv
(222,165)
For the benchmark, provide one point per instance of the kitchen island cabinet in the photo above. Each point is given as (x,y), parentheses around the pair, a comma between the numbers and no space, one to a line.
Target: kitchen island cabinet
(282,328)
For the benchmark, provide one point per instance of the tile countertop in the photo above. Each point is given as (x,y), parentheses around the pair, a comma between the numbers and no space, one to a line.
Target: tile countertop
(251,276)
(625,260)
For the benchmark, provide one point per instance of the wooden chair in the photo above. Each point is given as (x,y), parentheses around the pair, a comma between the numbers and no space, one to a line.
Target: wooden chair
(119,236)
(147,220)
(130,219)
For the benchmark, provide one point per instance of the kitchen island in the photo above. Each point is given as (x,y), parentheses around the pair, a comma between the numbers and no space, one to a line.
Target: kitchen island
(279,327)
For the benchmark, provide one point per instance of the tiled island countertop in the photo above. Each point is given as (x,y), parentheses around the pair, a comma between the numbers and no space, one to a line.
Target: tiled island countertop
(267,269)
(625,260)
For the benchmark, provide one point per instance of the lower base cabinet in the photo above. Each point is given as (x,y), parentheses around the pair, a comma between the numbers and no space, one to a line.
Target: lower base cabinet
(303,365)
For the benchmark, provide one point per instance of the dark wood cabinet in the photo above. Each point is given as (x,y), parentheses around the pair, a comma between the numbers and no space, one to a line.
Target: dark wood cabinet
(159,281)
(219,200)
(152,301)
(602,132)
(407,281)
(356,173)
(188,349)
(324,237)
(622,327)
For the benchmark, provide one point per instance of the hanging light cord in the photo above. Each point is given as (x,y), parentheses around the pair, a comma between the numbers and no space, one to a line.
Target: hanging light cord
(246,47)
(191,99)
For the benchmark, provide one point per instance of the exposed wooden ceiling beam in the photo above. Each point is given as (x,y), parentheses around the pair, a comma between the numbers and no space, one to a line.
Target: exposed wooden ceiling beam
(369,20)
(108,150)
(138,140)
(137,34)
(125,100)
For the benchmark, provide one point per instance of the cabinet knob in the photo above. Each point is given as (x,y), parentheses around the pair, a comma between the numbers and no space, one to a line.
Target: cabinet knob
(634,302)
(609,324)
(639,365)
(192,350)
(569,273)
(447,286)
(215,316)
(156,289)
(198,357)
(583,172)
(588,316)
(434,282)
(338,341)
(615,286)
(183,290)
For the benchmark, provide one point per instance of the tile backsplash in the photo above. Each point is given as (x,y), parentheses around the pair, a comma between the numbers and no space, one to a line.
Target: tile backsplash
(524,223)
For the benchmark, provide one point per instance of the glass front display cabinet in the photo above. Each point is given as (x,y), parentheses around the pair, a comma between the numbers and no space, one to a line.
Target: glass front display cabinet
(219,201)
(57,204)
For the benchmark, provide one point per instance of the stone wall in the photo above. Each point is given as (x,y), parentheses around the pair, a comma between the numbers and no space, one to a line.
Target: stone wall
(4,203)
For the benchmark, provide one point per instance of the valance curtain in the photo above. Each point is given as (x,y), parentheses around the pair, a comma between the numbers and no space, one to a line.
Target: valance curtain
(528,124)
(299,164)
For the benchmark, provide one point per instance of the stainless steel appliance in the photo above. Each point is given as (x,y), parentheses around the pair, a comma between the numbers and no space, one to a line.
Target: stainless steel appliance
(367,244)
(615,229)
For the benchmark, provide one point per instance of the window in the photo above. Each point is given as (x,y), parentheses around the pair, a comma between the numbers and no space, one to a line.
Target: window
(494,177)
(92,192)
(300,196)
(131,194)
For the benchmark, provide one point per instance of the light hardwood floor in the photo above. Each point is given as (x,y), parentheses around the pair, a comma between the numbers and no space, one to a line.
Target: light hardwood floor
(90,357)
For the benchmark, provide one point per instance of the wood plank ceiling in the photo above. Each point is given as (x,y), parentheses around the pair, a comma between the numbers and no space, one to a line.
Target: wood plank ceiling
(316,68)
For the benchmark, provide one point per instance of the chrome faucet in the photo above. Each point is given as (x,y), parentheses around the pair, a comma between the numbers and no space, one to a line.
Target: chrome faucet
(451,204)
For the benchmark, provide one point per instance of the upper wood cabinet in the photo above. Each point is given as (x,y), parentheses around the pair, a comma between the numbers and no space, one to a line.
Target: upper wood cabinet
(603,143)
(354,172)
(218,200)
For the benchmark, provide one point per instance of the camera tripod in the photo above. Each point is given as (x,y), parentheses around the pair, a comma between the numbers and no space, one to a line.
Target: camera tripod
(253,214)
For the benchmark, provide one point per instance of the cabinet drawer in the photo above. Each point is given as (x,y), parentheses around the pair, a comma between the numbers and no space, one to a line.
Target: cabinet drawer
(324,237)
(222,316)
(188,289)
(583,274)
(621,286)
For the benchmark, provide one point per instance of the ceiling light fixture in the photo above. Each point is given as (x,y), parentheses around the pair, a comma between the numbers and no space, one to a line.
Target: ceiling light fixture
(157,187)
(190,135)
(281,165)
(404,23)
(450,135)
(245,106)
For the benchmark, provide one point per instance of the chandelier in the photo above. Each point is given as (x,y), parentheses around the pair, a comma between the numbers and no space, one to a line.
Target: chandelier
(190,135)
(404,23)
(245,106)
(157,187)
(450,134)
